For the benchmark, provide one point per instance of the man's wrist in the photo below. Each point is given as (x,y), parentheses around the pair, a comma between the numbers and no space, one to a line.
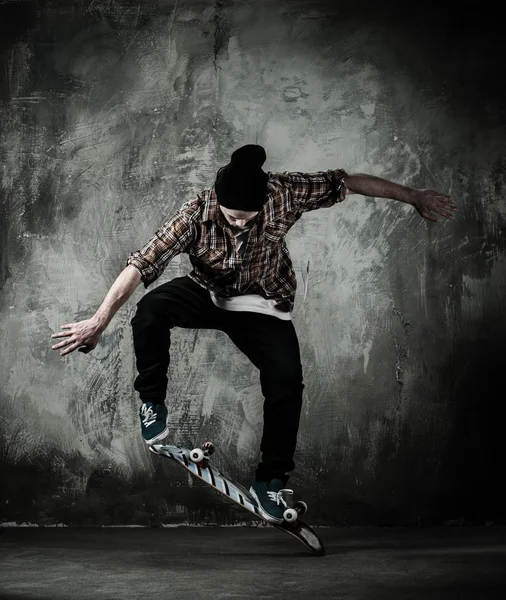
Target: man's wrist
(100,322)
(406,195)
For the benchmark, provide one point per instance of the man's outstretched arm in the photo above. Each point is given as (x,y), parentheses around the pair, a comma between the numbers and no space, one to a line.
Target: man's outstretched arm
(427,202)
(85,335)
(173,237)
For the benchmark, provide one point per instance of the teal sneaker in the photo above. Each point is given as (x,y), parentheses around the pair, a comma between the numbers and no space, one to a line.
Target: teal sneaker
(270,499)
(153,422)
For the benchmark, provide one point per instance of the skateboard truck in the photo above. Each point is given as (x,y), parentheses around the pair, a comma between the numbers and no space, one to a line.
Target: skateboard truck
(200,456)
(291,514)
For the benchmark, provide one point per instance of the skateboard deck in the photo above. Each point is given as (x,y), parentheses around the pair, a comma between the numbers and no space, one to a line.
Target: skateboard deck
(238,494)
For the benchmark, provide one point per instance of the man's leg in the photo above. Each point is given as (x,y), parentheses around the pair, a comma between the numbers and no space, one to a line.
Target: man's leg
(272,346)
(177,303)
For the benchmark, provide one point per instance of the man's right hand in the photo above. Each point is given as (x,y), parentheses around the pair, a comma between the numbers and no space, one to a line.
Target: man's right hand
(82,336)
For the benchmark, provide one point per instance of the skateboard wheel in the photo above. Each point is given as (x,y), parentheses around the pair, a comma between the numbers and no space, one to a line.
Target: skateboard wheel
(197,455)
(300,507)
(290,515)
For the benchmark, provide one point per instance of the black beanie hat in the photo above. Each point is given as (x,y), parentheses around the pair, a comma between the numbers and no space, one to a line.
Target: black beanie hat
(242,184)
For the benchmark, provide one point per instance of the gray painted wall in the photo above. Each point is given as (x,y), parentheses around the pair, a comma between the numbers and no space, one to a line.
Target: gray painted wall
(114,113)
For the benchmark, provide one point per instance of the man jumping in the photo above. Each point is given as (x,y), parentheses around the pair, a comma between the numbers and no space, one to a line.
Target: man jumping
(243,284)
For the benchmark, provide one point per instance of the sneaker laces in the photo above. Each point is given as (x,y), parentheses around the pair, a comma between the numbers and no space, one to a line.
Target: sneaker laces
(148,415)
(277,497)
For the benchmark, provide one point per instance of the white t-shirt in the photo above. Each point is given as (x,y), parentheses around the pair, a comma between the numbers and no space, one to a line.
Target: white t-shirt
(248,302)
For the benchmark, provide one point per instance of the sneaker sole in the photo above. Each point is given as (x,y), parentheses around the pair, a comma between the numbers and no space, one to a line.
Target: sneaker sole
(158,437)
(264,514)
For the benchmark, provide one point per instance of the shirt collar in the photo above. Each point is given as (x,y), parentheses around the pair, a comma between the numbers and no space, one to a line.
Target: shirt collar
(212,211)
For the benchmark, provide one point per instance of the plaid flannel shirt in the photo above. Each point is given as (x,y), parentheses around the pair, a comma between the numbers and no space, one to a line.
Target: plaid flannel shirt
(199,229)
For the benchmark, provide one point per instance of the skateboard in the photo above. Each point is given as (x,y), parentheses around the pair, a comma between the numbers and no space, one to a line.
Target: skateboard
(197,462)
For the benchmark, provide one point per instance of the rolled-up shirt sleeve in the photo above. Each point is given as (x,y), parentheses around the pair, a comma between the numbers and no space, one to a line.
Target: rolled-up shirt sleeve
(321,189)
(174,237)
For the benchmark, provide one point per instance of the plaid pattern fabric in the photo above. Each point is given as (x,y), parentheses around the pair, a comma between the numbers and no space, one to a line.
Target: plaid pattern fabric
(199,229)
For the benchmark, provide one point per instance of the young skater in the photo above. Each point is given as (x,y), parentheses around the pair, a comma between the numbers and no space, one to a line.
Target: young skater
(243,284)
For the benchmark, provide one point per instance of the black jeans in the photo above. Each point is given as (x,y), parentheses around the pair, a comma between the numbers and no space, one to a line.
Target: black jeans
(270,343)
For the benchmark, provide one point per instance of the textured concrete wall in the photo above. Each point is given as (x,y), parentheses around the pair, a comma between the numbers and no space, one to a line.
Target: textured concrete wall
(114,113)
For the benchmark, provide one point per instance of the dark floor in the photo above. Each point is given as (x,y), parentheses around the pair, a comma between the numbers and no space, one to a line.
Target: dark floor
(189,563)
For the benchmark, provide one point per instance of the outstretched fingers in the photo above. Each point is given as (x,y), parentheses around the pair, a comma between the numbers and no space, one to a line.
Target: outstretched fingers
(443,213)
(445,205)
(68,333)
(63,344)
(68,327)
(427,215)
(71,348)
(440,204)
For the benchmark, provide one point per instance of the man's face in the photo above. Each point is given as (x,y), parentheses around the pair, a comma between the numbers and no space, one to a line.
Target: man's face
(238,218)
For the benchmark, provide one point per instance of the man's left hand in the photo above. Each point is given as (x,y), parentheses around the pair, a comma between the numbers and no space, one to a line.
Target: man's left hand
(430,203)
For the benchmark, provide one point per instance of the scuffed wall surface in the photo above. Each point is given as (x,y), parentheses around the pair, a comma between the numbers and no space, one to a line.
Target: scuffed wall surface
(115,113)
